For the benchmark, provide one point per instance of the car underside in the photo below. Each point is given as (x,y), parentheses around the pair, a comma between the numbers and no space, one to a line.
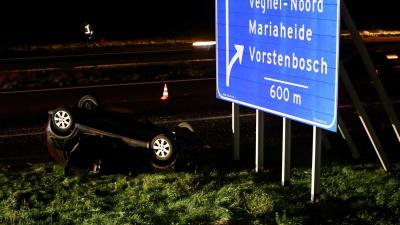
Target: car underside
(90,138)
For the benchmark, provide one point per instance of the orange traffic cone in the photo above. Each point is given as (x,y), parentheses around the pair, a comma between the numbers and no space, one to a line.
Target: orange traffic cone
(165,93)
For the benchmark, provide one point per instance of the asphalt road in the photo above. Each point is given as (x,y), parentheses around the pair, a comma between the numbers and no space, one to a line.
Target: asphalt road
(29,108)
(107,56)
(23,114)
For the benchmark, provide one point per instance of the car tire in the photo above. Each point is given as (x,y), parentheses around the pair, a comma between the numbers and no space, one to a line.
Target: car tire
(162,146)
(62,120)
(88,102)
(163,153)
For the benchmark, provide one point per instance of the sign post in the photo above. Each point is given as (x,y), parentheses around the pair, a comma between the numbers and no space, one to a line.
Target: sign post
(316,163)
(236,131)
(286,150)
(259,141)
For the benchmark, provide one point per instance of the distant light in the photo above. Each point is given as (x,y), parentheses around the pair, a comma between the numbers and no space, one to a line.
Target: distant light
(204,43)
(392,56)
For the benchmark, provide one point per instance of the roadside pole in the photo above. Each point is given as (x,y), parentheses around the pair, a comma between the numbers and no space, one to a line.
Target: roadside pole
(259,141)
(316,163)
(286,149)
(236,131)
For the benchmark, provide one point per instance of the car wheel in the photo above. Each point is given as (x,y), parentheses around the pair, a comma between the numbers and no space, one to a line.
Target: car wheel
(164,154)
(88,102)
(62,120)
(186,125)
(163,149)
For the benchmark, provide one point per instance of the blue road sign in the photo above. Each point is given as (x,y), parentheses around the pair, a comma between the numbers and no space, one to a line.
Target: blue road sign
(281,57)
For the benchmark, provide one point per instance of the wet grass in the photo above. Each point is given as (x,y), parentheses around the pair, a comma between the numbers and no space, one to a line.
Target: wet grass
(40,194)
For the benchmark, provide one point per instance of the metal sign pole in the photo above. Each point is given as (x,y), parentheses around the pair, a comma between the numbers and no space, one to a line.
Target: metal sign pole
(387,105)
(286,149)
(347,137)
(236,131)
(362,114)
(259,141)
(316,164)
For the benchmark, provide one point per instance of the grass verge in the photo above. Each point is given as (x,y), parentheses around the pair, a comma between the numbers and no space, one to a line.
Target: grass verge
(40,194)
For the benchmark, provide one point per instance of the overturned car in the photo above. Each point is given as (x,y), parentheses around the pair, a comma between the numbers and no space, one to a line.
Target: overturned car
(86,137)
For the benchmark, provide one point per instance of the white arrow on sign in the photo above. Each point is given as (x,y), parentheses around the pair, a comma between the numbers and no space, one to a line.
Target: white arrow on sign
(238,55)
(239,48)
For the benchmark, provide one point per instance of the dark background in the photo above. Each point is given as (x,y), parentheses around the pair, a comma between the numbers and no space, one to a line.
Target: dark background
(44,22)
(33,22)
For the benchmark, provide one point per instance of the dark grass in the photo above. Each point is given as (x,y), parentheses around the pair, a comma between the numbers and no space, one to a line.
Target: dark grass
(40,194)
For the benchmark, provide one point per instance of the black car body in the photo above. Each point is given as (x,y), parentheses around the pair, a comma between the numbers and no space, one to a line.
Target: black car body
(88,137)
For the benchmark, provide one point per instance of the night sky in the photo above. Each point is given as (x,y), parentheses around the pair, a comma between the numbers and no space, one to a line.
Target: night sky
(42,22)
(63,20)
